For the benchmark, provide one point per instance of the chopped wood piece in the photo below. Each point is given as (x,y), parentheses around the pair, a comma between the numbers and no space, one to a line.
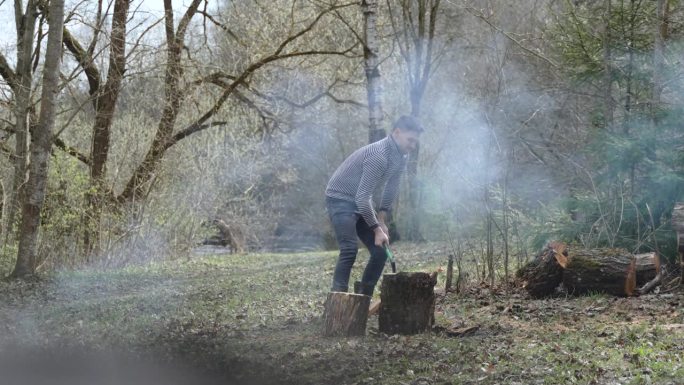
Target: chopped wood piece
(345,314)
(611,271)
(407,303)
(545,272)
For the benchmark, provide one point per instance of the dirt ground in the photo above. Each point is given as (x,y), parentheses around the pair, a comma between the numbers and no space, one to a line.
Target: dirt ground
(255,319)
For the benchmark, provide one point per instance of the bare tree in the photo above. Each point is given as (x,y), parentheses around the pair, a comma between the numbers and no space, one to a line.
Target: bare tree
(103,97)
(41,145)
(414,30)
(166,135)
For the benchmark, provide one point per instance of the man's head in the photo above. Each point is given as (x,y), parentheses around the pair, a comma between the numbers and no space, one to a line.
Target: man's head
(406,133)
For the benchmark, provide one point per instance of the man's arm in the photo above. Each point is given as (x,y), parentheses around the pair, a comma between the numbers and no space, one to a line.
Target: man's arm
(373,168)
(390,193)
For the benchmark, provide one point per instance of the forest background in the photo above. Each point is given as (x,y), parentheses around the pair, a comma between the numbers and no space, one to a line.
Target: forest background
(148,125)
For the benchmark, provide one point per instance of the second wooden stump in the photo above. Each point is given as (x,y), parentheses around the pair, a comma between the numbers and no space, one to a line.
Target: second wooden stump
(407,303)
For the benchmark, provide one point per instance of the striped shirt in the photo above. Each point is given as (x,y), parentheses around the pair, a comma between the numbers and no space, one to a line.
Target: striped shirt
(377,164)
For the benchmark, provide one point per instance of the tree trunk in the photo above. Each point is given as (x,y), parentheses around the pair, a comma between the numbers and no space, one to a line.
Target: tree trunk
(371,63)
(345,314)
(607,67)
(544,273)
(611,271)
(105,105)
(413,232)
(449,273)
(407,303)
(658,52)
(26,25)
(415,38)
(41,145)
(678,225)
(173,94)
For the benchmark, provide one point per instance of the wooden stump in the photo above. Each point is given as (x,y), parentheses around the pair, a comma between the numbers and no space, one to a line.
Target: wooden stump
(611,271)
(345,314)
(545,272)
(407,303)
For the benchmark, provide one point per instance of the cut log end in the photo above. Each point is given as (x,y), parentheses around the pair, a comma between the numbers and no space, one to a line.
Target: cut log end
(545,272)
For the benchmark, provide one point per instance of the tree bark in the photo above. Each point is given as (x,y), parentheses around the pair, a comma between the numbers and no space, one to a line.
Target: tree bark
(345,314)
(173,93)
(449,273)
(544,273)
(607,66)
(407,303)
(371,67)
(105,100)
(41,145)
(611,271)
(678,225)
(658,52)
(26,26)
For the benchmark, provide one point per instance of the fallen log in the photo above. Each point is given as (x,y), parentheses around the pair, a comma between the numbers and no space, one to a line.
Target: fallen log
(345,314)
(407,303)
(611,271)
(544,273)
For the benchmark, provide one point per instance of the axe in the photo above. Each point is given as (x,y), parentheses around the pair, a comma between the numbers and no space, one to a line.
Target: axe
(390,256)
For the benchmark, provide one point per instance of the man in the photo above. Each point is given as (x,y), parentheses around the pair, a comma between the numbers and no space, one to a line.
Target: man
(349,201)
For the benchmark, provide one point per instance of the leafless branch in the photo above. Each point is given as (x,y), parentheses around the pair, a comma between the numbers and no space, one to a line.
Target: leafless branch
(71,151)
(7,72)
(222,26)
(510,37)
(84,60)
(191,129)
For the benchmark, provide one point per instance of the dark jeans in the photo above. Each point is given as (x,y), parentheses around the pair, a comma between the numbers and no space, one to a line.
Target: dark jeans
(348,224)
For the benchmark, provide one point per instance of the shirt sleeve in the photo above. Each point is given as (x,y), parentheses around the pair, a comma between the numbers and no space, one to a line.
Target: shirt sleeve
(374,166)
(391,190)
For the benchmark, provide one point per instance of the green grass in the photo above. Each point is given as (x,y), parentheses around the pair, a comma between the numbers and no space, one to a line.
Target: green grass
(256,319)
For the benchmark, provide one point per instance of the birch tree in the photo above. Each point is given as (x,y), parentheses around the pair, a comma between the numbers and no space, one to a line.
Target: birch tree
(371,51)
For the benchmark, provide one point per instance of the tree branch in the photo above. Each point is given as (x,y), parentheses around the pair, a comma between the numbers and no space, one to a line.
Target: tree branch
(223,27)
(191,129)
(85,61)
(7,72)
(71,151)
